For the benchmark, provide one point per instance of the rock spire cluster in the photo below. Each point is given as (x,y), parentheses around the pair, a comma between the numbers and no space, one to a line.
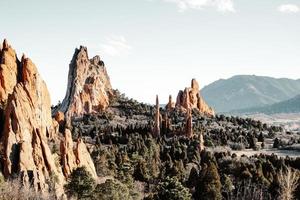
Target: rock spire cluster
(27,126)
(190,98)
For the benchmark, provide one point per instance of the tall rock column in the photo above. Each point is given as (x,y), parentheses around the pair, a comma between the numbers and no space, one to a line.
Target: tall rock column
(189,124)
(157,119)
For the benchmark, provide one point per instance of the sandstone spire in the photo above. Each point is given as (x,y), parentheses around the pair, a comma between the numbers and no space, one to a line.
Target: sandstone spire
(157,120)
(170,104)
(28,123)
(189,124)
(190,98)
(88,88)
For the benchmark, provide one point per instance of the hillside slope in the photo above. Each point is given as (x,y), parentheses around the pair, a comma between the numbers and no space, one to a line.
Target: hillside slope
(247,91)
(289,106)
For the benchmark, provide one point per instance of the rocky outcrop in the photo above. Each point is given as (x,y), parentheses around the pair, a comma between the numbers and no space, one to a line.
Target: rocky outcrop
(170,105)
(78,157)
(157,119)
(28,123)
(89,87)
(190,98)
(8,72)
(189,124)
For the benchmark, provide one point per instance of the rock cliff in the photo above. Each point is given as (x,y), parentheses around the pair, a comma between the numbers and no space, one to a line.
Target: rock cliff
(190,98)
(89,87)
(27,122)
(28,127)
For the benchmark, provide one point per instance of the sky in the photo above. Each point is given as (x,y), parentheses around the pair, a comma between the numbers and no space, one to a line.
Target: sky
(156,46)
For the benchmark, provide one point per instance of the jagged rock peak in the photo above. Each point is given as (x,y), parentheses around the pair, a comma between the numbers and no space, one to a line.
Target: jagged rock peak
(190,98)
(28,122)
(9,65)
(89,88)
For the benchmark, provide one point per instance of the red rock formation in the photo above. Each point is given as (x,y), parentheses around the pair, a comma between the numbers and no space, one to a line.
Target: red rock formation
(171,105)
(8,72)
(157,119)
(190,98)
(78,157)
(189,124)
(88,88)
(28,123)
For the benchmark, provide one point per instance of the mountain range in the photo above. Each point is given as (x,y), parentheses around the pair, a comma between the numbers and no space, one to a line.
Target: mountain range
(289,106)
(244,92)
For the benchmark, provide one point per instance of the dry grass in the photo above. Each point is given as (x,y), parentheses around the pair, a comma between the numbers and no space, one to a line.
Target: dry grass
(288,181)
(14,190)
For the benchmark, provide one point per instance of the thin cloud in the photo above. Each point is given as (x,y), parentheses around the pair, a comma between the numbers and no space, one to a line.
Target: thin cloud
(219,5)
(115,46)
(288,8)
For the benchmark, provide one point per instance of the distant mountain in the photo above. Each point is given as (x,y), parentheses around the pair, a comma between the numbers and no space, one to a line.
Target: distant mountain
(289,106)
(248,91)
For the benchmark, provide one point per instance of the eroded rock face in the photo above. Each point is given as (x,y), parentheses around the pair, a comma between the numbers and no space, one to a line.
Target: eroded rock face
(8,72)
(171,105)
(27,127)
(78,157)
(157,119)
(88,88)
(190,98)
(189,124)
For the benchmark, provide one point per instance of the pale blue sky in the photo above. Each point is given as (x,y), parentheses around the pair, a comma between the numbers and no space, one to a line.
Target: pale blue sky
(157,46)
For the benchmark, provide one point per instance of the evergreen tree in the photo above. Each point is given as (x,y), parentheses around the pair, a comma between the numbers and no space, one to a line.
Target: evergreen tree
(171,188)
(112,190)
(209,185)
(80,183)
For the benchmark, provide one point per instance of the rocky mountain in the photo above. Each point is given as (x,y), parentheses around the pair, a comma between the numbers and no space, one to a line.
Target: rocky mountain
(245,91)
(88,88)
(29,130)
(289,106)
